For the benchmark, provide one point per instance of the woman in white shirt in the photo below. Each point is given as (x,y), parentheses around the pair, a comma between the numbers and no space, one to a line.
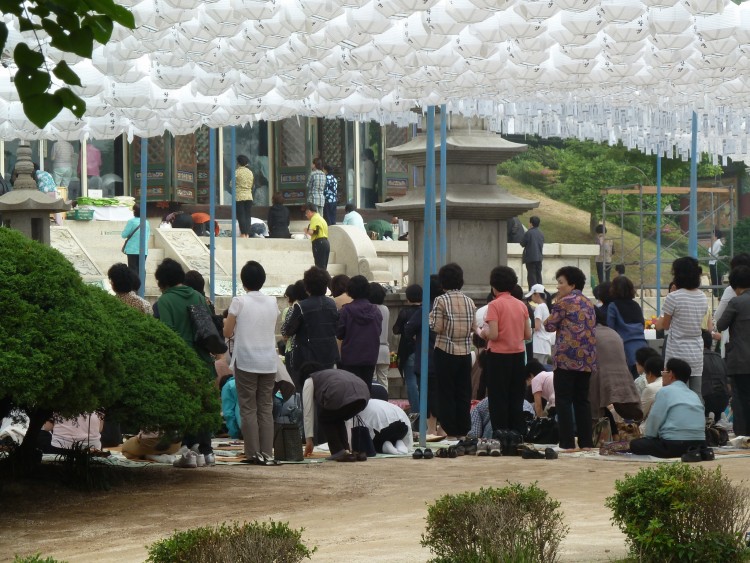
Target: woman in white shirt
(252,322)
(542,340)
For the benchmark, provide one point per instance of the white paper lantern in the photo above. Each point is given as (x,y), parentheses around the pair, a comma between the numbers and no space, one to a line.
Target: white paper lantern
(672,41)
(627,32)
(368,19)
(669,20)
(512,25)
(719,26)
(705,6)
(622,11)
(726,46)
(261,9)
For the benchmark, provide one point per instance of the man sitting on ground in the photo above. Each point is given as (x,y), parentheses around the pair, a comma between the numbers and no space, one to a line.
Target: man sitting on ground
(676,421)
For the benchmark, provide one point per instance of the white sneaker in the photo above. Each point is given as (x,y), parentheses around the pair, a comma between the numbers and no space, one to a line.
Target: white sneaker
(162,458)
(210,459)
(189,460)
(401,447)
(389,448)
(200,458)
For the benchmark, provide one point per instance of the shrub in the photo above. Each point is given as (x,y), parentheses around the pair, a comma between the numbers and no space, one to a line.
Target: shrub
(72,348)
(35,559)
(513,524)
(674,512)
(255,541)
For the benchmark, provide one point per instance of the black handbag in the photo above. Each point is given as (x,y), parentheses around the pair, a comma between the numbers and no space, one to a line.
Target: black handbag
(361,439)
(287,443)
(205,333)
(543,431)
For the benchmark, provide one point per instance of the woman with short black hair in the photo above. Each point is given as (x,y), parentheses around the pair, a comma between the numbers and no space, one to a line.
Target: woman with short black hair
(625,317)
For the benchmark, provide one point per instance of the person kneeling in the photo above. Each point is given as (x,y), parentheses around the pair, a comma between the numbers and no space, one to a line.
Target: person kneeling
(676,421)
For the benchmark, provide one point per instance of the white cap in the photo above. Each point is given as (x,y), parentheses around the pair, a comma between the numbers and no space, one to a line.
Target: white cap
(536,288)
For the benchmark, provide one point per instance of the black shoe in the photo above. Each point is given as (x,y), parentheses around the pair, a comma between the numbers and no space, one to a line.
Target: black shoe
(418,454)
(470,446)
(692,455)
(460,450)
(528,453)
(452,451)
(442,452)
(707,454)
(550,453)
(428,454)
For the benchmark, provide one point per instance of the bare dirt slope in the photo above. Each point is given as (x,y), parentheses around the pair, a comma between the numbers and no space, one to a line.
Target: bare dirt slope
(368,512)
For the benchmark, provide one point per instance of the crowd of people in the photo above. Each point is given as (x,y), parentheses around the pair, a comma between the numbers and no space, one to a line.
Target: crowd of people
(490,369)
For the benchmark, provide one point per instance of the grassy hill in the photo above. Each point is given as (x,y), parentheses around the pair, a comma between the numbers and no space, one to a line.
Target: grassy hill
(567,224)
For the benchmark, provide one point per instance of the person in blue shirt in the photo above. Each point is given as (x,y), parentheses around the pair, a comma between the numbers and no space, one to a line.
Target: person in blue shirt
(132,246)
(676,421)
(230,408)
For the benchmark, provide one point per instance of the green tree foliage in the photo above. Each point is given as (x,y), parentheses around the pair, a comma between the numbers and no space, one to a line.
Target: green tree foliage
(576,172)
(72,348)
(72,27)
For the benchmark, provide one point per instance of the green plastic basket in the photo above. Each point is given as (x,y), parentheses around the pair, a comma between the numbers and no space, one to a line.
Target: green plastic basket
(83,214)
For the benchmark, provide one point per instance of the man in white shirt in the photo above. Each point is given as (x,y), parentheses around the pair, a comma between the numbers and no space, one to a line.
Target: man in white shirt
(716,246)
(353,218)
(62,155)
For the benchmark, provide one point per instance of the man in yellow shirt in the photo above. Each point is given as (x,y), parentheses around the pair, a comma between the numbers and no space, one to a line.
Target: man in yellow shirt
(317,230)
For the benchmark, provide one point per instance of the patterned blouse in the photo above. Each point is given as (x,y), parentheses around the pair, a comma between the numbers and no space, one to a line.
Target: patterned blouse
(316,184)
(136,302)
(574,319)
(453,320)
(244,183)
(332,188)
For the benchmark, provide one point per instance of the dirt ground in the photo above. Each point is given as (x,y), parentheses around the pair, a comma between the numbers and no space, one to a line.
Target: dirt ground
(353,512)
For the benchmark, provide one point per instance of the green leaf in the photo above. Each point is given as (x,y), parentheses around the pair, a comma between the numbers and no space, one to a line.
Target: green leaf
(82,42)
(52,28)
(71,101)
(121,15)
(31,82)
(42,108)
(66,74)
(25,24)
(26,58)
(3,35)
(100,26)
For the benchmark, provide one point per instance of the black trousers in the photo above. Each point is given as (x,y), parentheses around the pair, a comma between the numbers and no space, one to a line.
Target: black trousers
(454,392)
(602,271)
(741,404)
(244,213)
(533,273)
(329,212)
(716,404)
(662,448)
(321,249)
(506,386)
(392,433)
(572,392)
(714,271)
(365,373)
(332,422)
(134,264)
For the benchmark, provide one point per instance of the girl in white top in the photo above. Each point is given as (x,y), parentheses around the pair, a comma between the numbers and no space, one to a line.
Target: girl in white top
(542,340)
(252,321)
(684,310)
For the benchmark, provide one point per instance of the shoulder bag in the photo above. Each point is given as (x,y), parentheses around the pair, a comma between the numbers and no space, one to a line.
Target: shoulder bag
(127,240)
(361,439)
(205,334)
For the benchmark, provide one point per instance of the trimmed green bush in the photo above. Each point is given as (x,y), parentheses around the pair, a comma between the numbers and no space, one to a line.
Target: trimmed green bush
(71,348)
(676,512)
(514,524)
(236,543)
(36,559)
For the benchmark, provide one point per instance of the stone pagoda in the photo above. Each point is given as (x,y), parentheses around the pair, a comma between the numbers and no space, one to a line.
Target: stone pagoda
(477,208)
(25,208)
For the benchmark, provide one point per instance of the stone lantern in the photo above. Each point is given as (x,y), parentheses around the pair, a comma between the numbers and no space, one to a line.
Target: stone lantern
(477,209)
(25,208)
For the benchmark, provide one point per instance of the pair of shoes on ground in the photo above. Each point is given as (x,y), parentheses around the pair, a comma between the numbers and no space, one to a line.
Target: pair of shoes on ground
(698,453)
(397,448)
(259,458)
(346,456)
(191,458)
(489,447)
(467,446)
(449,452)
(419,453)
(530,452)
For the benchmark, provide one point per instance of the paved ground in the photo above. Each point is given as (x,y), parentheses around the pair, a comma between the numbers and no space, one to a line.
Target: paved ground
(354,512)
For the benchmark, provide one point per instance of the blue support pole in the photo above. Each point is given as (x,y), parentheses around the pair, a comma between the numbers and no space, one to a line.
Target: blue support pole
(658,232)
(233,152)
(443,186)
(693,217)
(212,209)
(427,268)
(144,194)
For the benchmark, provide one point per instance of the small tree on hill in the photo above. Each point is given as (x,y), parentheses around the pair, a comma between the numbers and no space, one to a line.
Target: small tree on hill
(70,348)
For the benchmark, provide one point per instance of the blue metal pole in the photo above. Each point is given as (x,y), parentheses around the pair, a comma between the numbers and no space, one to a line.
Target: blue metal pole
(144,198)
(427,266)
(658,231)
(693,217)
(233,152)
(443,187)
(212,209)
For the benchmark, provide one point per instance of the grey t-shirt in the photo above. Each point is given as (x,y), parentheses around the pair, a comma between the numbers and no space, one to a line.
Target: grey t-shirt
(687,308)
